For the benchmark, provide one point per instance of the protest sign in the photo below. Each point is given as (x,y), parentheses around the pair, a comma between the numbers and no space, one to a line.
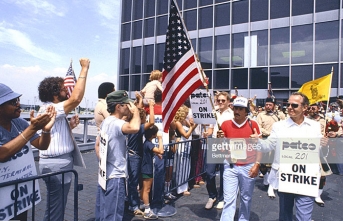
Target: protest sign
(299,166)
(201,107)
(19,166)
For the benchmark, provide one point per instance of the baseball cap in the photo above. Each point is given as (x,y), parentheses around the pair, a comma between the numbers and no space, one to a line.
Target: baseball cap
(6,94)
(241,102)
(120,96)
(270,99)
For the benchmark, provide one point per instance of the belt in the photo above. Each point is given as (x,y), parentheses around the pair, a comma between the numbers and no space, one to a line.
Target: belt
(132,152)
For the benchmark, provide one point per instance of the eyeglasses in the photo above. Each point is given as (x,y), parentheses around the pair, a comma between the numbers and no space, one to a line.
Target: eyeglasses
(221,100)
(292,105)
(14,102)
(311,108)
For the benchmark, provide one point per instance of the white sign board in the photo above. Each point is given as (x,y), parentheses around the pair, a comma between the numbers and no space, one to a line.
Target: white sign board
(299,166)
(158,123)
(103,145)
(201,107)
(20,166)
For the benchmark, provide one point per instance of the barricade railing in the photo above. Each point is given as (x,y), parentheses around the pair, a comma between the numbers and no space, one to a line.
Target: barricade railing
(33,197)
(188,161)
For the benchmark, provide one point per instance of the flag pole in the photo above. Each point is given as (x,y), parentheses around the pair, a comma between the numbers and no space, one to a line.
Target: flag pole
(327,103)
(203,75)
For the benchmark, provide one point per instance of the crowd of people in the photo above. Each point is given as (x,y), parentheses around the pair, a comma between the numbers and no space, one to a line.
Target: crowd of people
(129,145)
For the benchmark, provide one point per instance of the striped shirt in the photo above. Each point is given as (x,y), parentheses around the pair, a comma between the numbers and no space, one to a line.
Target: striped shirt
(61,137)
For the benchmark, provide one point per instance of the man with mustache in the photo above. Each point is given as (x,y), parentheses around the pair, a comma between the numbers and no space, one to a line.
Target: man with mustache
(239,175)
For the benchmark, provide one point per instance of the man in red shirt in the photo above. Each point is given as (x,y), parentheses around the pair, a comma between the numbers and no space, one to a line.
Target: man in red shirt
(239,174)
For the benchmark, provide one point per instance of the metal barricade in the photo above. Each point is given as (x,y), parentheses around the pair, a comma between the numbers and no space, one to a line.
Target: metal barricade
(187,160)
(33,198)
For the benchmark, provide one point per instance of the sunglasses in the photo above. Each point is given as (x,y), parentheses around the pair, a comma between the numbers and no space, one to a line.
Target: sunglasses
(311,108)
(221,100)
(14,102)
(292,105)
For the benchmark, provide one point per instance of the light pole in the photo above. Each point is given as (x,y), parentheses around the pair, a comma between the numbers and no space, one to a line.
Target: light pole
(28,103)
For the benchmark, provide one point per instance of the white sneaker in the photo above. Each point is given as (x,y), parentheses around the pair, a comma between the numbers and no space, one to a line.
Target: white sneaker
(220,205)
(209,203)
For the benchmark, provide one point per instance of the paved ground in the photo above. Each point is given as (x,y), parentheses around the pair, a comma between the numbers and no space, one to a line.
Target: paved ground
(192,207)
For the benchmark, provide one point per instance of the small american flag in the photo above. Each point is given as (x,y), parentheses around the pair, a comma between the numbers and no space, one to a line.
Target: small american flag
(181,74)
(70,80)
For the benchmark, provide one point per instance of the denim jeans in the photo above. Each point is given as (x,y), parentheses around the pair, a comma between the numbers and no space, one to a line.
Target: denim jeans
(236,178)
(134,171)
(211,181)
(303,207)
(112,200)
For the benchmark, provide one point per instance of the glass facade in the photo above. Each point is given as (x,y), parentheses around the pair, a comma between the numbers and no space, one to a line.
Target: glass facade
(240,43)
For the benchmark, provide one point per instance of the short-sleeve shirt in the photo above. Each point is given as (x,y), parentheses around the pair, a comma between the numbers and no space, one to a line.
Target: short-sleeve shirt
(100,112)
(61,138)
(233,130)
(221,117)
(116,150)
(18,126)
(135,141)
(148,154)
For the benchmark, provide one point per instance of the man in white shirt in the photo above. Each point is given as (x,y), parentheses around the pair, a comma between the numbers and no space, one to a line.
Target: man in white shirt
(298,126)
(223,113)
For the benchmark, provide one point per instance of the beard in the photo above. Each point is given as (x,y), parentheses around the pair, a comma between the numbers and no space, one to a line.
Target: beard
(62,98)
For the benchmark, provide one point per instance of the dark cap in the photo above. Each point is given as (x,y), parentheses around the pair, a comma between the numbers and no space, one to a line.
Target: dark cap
(6,94)
(120,96)
(270,99)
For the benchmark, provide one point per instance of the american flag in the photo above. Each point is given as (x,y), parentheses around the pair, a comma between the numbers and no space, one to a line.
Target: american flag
(181,74)
(70,80)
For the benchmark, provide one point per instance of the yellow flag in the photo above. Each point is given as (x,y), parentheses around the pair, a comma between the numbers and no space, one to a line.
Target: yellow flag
(317,90)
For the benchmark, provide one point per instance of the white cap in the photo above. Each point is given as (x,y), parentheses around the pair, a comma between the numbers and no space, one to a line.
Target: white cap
(240,102)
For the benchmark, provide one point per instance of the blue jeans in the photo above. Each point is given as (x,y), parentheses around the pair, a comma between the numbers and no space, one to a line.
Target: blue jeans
(57,192)
(112,200)
(134,171)
(237,179)
(303,207)
(211,181)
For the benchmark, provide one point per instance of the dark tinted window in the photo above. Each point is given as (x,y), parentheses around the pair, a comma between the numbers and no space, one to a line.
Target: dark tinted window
(258,10)
(137,30)
(205,52)
(210,79)
(301,7)
(279,46)
(302,44)
(162,25)
(148,58)
(279,77)
(321,70)
(136,60)
(240,12)
(279,8)
(221,79)
(258,78)
(261,46)
(190,18)
(159,56)
(125,32)
(206,17)
(222,15)
(137,9)
(190,4)
(322,5)
(205,2)
(238,49)
(124,83)
(126,12)
(149,8)
(125,59)
(149,27)
(222,51)
(162,7)
(300,75)
(135,83)
(239,78)
(327,44)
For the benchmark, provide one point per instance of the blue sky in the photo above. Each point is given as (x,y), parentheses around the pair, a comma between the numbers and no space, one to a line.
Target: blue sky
(38,38)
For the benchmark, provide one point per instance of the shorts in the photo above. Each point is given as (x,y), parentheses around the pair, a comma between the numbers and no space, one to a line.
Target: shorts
(147,176)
